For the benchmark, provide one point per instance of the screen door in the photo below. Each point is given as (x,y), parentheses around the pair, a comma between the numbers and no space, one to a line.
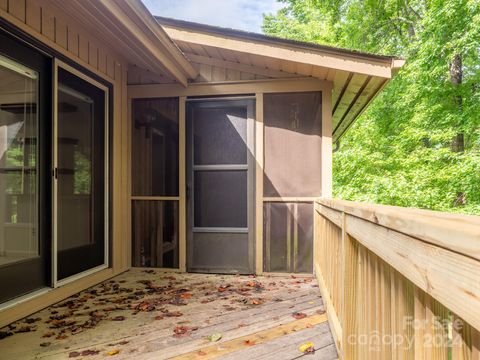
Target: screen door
(80,186)
(220,166)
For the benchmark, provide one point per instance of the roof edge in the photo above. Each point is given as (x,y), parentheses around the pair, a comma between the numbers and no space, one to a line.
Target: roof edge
(246,35)
(159,32)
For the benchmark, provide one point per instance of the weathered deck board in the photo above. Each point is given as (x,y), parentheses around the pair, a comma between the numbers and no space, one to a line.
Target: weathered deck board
(286,347)
(235,306)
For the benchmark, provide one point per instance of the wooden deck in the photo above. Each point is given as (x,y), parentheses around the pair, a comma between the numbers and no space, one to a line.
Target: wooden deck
(147,314)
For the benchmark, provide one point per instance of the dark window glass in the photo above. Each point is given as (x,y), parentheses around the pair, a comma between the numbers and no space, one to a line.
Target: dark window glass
(81,175)
(220,135)
(288,237)
(155,233)
(155,147)
(220,199)
(292,144)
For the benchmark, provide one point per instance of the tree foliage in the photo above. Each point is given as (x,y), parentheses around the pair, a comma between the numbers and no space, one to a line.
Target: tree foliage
(418,143)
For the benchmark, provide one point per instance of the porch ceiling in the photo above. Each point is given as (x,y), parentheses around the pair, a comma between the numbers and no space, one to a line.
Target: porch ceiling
(357,77)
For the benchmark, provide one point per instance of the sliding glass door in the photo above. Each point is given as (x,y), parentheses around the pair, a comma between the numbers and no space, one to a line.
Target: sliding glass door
(53,171)
(80,229)
(24,255)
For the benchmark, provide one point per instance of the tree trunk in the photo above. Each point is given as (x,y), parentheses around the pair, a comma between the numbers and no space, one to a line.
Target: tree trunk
(456,75)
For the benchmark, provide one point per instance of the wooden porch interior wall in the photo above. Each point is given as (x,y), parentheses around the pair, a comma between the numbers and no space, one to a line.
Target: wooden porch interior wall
(55,29)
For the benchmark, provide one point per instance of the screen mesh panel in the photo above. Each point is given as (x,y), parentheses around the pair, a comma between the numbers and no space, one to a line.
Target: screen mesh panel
(220,199)
(287,237)
(155,233)
(292,144)
(155,147)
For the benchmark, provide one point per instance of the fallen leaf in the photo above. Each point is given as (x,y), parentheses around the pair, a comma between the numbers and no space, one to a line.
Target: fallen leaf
(145,306)
(89,352)
(118,318)
(113,352)
(186,295)
(299,315)
(159,317)
(223,288)
(31,320)
(201,353)
(74,354)
(308,347)
(177,301)
(27,328)
(320,312)
(214,337)
(45,344)
(180,331)
(249,342)
(4,334)
(173,314)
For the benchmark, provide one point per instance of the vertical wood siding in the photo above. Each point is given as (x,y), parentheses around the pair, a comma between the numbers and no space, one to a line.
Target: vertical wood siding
(47,23)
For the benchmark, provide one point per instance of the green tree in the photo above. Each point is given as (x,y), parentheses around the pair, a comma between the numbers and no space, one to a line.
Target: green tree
(418,144)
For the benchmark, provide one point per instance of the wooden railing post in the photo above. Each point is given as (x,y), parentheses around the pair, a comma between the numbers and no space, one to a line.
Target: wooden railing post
(349,296)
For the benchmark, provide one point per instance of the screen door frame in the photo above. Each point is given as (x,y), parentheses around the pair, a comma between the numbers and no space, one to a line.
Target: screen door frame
(58,64)
(218,102)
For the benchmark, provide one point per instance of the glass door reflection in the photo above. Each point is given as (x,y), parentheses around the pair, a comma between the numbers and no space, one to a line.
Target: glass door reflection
(20,246)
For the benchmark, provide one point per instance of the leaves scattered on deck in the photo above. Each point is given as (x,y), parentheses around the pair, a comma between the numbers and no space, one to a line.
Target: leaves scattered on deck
(157,296)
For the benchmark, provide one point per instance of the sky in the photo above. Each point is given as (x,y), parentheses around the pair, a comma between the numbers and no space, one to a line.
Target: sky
(236,14)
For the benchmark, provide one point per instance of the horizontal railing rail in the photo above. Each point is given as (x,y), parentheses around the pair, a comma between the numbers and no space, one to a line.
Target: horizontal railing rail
(399,282)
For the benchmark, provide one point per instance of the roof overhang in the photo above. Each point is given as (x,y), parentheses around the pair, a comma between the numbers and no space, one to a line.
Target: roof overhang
(135,33)
(357,77)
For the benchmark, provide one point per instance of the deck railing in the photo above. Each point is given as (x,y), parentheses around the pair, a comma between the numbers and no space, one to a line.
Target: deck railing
(399,283)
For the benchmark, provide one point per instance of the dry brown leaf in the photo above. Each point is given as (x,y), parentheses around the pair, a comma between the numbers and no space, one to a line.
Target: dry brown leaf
(118,318)
(299,315)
